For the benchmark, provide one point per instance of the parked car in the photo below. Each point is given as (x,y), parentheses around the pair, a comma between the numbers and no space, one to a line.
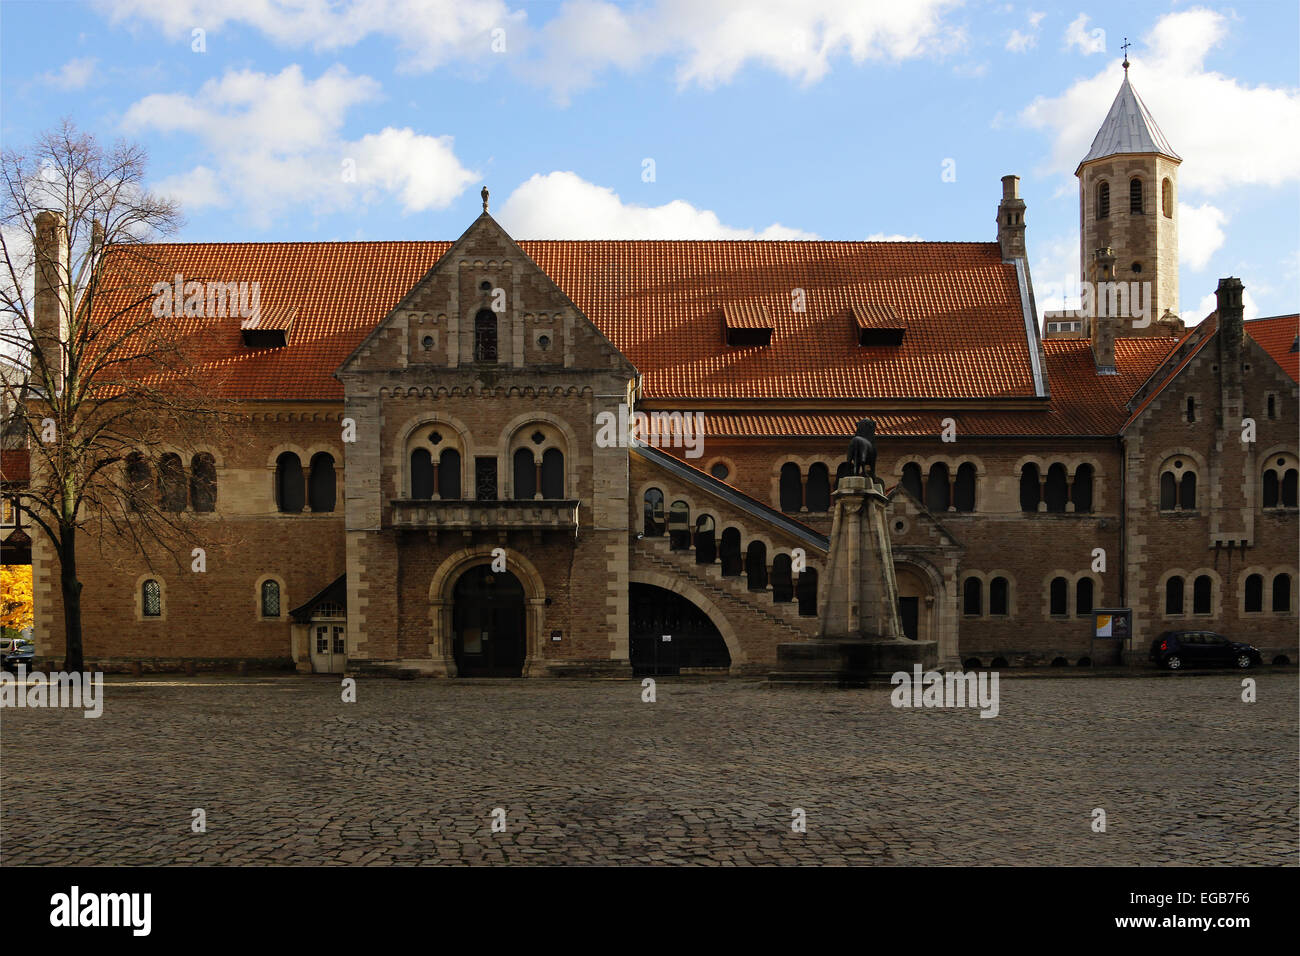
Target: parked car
(19,651)
(1178,650)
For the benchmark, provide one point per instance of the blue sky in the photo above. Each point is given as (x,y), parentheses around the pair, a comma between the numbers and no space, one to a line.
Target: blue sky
(381,119)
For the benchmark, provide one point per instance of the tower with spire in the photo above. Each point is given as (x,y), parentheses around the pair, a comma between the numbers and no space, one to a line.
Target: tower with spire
(1128,214)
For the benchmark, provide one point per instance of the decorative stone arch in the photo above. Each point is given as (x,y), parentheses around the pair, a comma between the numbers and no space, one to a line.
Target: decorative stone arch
(700,600)
(1198,467)
(506,447)
(257,598)
(940,603)
(218,459)
(1265,590)
(725,460)
(441,605)
(283,447)
(1010,578)
(1162,587)
(1072,598)
(1048,578)
(139,597)
(1268,590)
(402,450)
(1216,593)
(1036,460)
(965,575)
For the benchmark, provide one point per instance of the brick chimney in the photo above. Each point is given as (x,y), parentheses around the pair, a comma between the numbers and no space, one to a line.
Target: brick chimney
(1231,335)
(1101,328)
(1011,220)
(50,310)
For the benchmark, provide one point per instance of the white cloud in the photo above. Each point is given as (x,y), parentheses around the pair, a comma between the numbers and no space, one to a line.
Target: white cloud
(1254,138)
(708,42)
(1019,42)
(892,237)
(73,75)
(274,141)
(563,205)
(1200,234)
(1087,42)
(1055,271)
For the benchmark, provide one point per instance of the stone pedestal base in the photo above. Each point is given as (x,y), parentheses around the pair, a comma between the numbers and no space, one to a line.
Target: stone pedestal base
(849,662)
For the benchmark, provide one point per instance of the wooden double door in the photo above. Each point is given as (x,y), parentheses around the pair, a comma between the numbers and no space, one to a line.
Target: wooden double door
(489,625)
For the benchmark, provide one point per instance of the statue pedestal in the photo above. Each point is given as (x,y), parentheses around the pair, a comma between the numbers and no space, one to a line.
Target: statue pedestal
(861,638)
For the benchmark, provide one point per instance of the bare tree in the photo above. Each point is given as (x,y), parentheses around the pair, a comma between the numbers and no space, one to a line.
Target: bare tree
(107,382)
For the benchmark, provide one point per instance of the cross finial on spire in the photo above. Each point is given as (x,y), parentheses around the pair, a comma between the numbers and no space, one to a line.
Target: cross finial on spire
(1124,46)
(484,194)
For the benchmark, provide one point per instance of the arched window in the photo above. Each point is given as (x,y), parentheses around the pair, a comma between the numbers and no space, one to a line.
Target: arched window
(151,598)
(1030,488)
(730,553)
(936,488)
(203,482)
(1056,490)
(322,483)
(270,599)
(525,483)
(1254,593)
(819,488)
(1135,196)
(791,487)
(1272,406)
(1177,485)
(972,596)
(1167,198)
(963,498)
(1271,489)
(138,477)
(553,474)
(1082,490)
(1103,200)
(1282,593)
(1202,589)
(1059,597)
(485,336)
(1191,408)
(806,592)
(1083,597)
(912,480)
(998,591)
(421,474)
(449,475)
(756,566)
(289,490)
(706,543)
(1174,595)
(679,526)
(1279,489)
(171,482)
(782,579)
(654,513)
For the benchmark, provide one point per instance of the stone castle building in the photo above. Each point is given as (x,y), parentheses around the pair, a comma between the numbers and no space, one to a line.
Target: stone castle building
(435,474)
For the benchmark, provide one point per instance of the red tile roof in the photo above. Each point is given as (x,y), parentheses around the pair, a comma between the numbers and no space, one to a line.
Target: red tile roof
(1278,335)
(658,302)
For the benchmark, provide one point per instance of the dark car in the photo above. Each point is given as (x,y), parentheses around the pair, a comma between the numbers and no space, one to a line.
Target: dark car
(1178,650)
(18,651)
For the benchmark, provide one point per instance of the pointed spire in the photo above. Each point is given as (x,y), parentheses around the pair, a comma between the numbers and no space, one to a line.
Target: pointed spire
(1128,128)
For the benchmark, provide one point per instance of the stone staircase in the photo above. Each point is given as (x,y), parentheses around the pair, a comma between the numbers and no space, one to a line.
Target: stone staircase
(731,593)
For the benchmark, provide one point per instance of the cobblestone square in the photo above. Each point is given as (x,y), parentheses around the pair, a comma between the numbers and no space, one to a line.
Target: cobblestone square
(709,774)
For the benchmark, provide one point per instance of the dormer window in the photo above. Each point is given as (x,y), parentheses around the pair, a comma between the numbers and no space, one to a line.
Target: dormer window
(876,323)
(268,327)
(746,323)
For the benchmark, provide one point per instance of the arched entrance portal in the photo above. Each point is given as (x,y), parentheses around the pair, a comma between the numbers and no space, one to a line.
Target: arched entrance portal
(488,623)
(915,603)
(670,635)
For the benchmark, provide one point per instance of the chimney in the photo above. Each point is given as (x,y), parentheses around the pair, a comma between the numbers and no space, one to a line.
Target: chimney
(1101,325)
(1231,333)
(1011,220)
(50,311)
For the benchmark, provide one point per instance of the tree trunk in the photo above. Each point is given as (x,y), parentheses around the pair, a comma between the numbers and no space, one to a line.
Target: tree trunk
(71,589)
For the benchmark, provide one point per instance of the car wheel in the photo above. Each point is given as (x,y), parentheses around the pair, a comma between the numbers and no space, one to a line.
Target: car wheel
(1173,662)
(1244,661)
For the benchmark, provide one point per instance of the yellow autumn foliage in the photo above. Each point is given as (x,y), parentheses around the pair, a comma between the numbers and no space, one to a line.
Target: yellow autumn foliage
(16,596)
